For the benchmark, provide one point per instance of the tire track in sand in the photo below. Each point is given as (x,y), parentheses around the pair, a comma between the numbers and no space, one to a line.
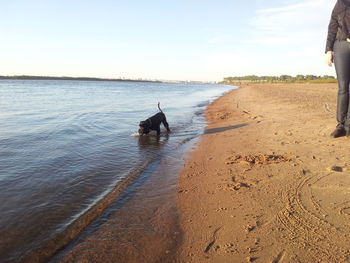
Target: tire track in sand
(307,223)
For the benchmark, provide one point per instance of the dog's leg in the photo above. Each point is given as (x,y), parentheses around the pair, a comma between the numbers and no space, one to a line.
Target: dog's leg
(166,125)
(158,130)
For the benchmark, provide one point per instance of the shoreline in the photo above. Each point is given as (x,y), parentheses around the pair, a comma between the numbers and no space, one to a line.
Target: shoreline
(145,190)
(142,213)
(78,225)
(141,224)
(251,188)
(267,183)
(41,247)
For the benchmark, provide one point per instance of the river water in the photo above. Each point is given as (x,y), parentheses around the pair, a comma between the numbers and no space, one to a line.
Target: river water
(65,145)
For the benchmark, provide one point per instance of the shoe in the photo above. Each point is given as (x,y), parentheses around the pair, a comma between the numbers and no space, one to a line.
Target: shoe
(339,132)
(348,134)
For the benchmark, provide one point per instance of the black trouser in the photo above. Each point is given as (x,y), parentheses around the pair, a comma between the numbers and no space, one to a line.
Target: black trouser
(342,68)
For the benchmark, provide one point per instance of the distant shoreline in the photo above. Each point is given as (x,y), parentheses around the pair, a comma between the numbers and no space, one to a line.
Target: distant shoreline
(25,77)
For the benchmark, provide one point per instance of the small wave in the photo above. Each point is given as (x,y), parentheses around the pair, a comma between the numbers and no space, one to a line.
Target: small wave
(187,140)
(198,112)
(79,222)
(135,134)
(203,103)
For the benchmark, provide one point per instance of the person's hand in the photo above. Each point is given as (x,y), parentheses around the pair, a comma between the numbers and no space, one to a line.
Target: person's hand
(329,58)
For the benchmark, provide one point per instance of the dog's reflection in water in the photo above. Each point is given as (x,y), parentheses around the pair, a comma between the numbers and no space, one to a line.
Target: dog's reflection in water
(151,141)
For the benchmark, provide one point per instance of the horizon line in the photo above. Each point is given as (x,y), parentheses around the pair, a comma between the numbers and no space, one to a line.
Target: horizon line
(35,77)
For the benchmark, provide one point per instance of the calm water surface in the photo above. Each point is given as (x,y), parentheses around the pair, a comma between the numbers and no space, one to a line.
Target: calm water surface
(66,144)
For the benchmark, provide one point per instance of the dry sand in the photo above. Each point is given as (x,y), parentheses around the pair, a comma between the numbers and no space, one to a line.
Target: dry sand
(267,183)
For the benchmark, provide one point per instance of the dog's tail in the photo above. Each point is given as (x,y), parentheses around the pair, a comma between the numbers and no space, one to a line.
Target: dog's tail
(159,107)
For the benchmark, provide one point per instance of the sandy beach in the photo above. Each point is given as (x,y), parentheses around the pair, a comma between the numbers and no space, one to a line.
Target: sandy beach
(266,182)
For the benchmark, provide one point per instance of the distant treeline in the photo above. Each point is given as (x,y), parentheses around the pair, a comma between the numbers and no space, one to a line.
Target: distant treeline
(282,78)
(70,78)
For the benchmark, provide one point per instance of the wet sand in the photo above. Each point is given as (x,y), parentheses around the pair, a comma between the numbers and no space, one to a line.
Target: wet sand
(140,225)
(267,183)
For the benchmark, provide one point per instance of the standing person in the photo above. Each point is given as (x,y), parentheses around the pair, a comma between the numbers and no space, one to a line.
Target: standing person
(338,50)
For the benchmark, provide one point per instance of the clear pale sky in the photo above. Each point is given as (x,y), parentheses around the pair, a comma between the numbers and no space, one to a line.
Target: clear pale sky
(159,39)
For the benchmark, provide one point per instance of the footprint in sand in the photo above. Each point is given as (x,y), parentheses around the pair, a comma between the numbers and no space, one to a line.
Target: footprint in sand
(345,211)
(212,242)
(224,116)
(251,259)
(237,186)
(279,257)
(335,168)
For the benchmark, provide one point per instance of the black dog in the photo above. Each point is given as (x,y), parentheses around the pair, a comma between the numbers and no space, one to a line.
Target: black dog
(153,123)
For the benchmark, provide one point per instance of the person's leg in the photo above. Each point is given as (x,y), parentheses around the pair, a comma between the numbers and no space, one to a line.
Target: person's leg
(342,67)
(347,84)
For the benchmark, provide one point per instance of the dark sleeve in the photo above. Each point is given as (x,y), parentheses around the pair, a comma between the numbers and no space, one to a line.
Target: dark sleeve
(332,28)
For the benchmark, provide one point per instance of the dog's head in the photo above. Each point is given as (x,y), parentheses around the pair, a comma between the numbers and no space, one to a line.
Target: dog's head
(144,127)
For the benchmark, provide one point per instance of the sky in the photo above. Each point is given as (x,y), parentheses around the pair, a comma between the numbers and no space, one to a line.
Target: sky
(203,40)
